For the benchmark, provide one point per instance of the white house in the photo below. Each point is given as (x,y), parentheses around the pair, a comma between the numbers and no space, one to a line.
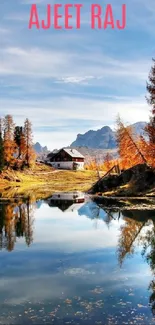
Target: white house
(67,201)
(66,158)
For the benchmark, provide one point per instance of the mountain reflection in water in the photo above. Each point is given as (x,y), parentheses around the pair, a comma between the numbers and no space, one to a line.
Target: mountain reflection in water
(66,260)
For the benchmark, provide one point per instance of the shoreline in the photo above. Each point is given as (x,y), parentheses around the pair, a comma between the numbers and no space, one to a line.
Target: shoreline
(42,181)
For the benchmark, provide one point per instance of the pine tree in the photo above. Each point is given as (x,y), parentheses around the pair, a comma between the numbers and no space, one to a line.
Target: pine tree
(1,148)
(30,154)
(19,138)
(150,129)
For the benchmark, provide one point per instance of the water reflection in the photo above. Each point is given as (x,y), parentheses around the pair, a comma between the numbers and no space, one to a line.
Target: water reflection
(132,234)
(70,272)
(66,201)
(16,221)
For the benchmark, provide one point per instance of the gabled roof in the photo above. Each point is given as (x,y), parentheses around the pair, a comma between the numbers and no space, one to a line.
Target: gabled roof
(70,151)
(73,153)
(53,153)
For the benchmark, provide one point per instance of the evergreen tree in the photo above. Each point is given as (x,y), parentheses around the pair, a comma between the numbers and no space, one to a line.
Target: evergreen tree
(17,136)
(19,139)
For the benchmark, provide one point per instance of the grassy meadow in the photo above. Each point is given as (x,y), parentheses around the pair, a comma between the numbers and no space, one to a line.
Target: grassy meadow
(42,181)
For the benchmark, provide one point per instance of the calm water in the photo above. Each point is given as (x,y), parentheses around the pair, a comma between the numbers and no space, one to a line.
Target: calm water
(75,263)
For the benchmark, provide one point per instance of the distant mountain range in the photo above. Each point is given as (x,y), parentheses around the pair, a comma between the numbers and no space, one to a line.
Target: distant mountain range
(94,144)
(39,149)
(103,138)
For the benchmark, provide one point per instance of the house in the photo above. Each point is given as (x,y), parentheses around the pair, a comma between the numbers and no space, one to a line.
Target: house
(66,158)
(65,201)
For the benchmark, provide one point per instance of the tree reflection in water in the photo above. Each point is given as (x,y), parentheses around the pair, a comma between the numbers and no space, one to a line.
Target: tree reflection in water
(132,235)
(16,221)
(148,241)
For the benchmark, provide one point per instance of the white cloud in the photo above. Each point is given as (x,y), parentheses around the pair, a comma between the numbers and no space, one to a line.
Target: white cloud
(75,79)
(61,114)
(55,77)
(71,68)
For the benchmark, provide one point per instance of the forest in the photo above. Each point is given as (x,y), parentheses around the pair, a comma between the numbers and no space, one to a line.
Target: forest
(16,144)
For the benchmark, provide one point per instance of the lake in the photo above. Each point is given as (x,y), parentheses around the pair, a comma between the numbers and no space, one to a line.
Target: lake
(67,260)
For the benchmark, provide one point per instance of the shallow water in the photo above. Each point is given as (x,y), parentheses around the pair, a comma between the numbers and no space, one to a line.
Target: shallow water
(63,262)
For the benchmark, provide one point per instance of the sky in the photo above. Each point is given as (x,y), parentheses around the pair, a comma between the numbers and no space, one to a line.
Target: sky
(69,81)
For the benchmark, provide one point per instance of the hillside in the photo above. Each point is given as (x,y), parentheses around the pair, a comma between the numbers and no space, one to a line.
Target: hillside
(135,181)
(103,138)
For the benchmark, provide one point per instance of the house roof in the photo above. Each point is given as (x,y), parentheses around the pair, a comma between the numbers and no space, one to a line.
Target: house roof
(73,153)
(51,154)
(70,151)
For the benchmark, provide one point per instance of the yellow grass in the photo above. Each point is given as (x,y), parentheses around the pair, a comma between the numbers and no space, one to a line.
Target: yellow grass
(43,181)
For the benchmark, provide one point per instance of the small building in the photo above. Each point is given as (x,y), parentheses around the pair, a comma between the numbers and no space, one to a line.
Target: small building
(66,158)
(67,201)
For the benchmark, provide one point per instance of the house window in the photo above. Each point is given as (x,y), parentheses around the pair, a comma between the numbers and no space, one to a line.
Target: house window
(58,165)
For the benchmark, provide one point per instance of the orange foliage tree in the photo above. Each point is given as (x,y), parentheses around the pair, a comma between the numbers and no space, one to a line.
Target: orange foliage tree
(150,128)
(108,162)
(16,147)
(9,143)
(129,151)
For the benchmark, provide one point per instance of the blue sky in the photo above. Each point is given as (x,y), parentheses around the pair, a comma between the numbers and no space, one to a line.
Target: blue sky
(70,81)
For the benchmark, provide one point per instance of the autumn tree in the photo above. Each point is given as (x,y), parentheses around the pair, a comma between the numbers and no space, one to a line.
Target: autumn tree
(30,154)
(9,143)
(1,148)
(92,165)
(150,128)
(108,162)
(144,147)
(129,151)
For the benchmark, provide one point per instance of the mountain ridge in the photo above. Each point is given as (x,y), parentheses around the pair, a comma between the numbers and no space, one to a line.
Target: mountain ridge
(39,149)
(103,138)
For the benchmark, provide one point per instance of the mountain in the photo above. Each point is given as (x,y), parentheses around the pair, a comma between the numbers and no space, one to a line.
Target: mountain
(39,149)
(138,128)
(103,138)
(98,155)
